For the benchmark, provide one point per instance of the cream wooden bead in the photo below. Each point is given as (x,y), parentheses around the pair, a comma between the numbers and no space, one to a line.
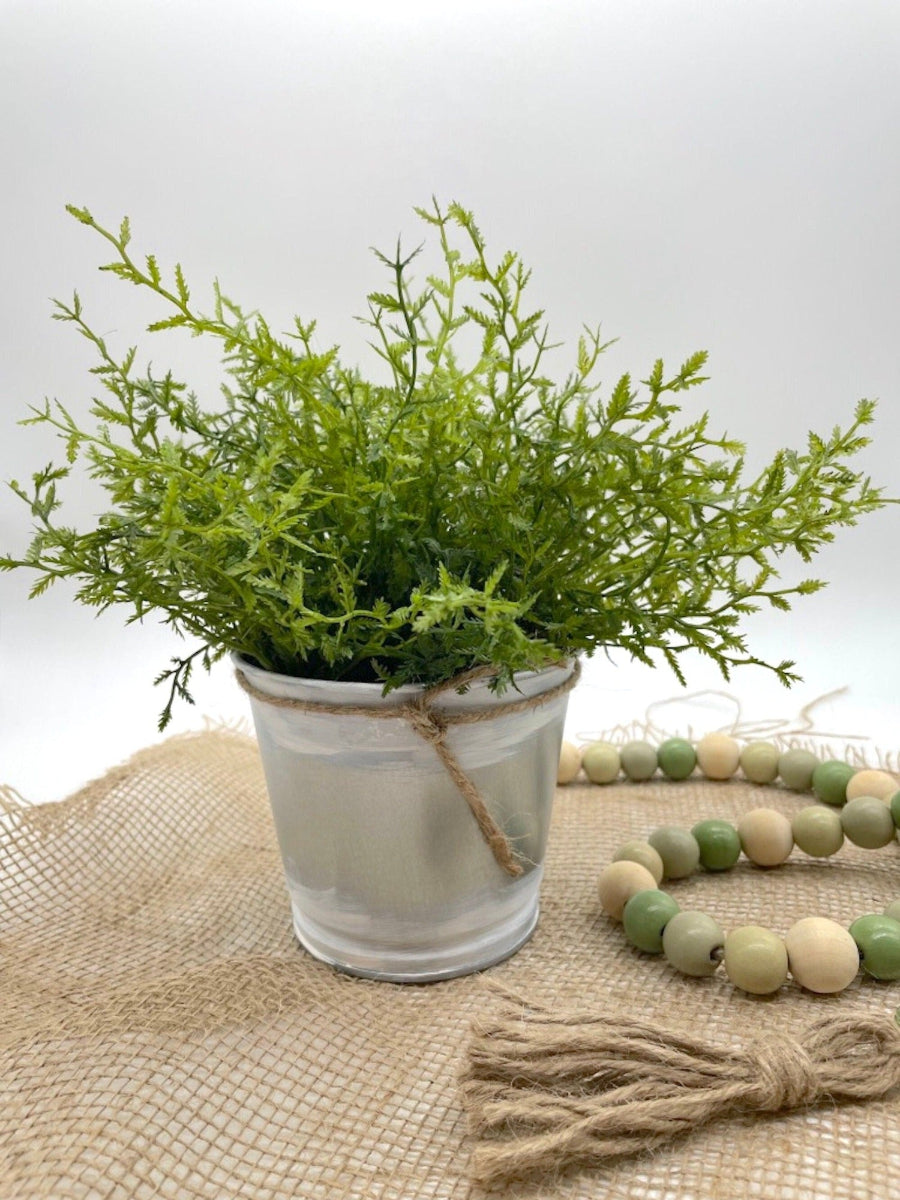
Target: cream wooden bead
(766,836)
(718,756)
(643,853)
(822,955)
(873,783)
(569,763)
(619,882)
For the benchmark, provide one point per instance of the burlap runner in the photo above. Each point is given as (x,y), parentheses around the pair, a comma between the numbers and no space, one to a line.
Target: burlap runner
(163,1036)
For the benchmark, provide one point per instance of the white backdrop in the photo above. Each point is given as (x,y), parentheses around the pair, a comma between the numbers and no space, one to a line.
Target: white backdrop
(692,174)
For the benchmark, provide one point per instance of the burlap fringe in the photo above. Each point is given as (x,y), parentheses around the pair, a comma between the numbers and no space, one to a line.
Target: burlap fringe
(11,802)
(548,1090)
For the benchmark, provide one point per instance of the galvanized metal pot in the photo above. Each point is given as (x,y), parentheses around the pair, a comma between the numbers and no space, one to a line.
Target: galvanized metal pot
(388,874)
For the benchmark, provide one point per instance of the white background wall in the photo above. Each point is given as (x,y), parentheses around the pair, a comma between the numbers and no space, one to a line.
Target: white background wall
(692,174)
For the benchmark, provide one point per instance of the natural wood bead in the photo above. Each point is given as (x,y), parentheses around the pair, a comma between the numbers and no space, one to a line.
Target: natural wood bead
(643,853)
(766,836)
(619,882)
(872,783)
(718,756)
(822,955)
(569,763)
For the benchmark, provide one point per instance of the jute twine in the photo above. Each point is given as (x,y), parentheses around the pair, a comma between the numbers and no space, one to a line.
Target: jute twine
(551,1090)
(432,726)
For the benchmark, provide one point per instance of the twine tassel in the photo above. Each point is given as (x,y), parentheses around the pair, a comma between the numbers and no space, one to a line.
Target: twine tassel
(546,1092)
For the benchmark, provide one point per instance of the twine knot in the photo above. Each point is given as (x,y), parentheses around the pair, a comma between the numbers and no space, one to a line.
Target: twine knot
(787,1076)
(427,722)
(432,726)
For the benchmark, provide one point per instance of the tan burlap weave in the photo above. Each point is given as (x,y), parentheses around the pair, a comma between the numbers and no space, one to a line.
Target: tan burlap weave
(163,1035)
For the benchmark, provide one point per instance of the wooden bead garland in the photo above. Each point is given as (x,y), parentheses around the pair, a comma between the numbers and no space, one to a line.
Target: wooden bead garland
(821,955)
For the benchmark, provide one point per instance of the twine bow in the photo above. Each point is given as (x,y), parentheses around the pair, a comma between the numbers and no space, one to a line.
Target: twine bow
(547,1091)
(432,725)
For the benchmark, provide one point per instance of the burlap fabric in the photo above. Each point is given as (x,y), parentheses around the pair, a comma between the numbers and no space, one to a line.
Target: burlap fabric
(163,1035)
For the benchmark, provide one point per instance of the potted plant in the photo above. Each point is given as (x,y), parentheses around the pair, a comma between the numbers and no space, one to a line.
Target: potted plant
(406,567)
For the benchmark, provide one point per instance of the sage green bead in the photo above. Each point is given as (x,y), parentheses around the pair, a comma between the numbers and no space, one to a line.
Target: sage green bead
(678,850)
(893,910)
(645,918)
(895,808)
(693,943)
(677,758)
(643,853)
(638,760)
(796,768)
(759,761)
(829,781)
(818,831)
(867,822)
(756,960)
(878,939)
(720,846)
(600,761)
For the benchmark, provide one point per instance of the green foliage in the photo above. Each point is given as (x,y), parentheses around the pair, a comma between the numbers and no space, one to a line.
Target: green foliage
(468,511)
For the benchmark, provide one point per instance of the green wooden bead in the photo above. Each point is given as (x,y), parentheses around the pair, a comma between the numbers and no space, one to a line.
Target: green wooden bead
(601,762)
(818,831)
(756,959)
(895,808)
(867,822)
(893,910)
(759,761)
(720,846)
(645,918)
(796,769)
(677,758)
(693,943)
(878,939)
(678,850)
(638,760)
(643,853)
(829,781)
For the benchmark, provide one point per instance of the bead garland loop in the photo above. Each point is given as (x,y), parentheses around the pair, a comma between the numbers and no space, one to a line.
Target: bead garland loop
(861,806)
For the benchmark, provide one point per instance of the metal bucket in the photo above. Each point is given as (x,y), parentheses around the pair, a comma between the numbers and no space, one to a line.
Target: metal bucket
(388,874)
